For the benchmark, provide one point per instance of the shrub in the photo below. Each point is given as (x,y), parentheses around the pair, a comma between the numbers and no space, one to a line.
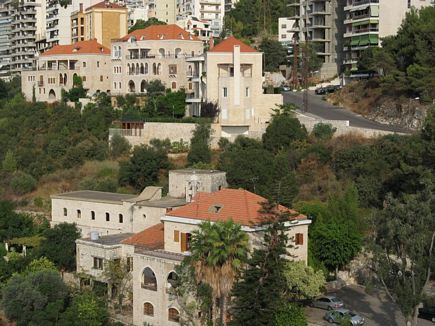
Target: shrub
(323,131)
(22,183)
(291,315)
(119,146)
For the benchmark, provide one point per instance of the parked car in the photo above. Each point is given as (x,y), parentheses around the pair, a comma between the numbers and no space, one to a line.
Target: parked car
(327,89)
(327,302)
(427,313)
(338,316)
(285,88)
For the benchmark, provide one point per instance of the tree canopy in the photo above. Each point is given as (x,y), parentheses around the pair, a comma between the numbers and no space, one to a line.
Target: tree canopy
(141,24)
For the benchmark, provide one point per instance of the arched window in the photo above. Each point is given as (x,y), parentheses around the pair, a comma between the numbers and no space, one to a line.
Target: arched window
(137,69)
(60,79)
(131,87)
(174,85)
(162,52)
(159,69)
(143,86)
(51,95)
(154,69)
(142,69)
(177,52)
(172,280)
(173,315)
(149,280)
(64,79)
(148,309)
(146,68)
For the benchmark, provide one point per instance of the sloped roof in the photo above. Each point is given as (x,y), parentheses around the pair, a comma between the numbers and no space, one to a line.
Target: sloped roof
(161,32)
(227,45)
(105,5)
(82,47)
(242,206)
(151,238)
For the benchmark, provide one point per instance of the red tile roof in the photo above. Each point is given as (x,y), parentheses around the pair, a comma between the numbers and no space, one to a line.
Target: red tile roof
(239,205)
(82,47)
(227,45)
(105,5)
(161,32)
(151,238)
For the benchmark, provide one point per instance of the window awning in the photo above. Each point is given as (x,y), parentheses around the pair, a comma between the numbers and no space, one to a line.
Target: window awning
(364,40)
(355,40)
(374,39)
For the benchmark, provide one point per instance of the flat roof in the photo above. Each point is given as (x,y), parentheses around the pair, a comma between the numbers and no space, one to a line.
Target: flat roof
(95,196)
(109,240)
(165,202)
(196,171)
(160,253)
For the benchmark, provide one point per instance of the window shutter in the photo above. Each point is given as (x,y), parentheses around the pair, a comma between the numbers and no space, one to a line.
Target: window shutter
(183,242)
(299,238)
(176,236)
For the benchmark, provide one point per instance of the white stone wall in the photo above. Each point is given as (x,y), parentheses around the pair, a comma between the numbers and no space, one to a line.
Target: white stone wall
(208,182)
(159,299)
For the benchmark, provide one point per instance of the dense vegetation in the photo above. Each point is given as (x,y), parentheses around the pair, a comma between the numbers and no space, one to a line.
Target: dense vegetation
(406,61)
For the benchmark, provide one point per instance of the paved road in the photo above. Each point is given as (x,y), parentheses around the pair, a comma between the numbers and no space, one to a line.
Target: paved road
(376,309)
(328,111)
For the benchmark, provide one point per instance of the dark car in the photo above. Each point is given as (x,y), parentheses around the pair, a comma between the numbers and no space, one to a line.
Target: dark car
(427,313)
(327,89)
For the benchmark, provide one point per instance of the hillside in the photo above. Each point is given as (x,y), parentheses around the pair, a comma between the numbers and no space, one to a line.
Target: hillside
(365,99)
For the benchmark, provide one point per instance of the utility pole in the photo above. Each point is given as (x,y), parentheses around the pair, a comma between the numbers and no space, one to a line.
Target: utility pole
(295,77)
(305,71)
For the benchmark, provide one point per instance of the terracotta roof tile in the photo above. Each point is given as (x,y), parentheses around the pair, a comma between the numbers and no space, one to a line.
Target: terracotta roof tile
(151,238)
(161,32)
(227,45)
(105,5)
(82,47)
(239,205)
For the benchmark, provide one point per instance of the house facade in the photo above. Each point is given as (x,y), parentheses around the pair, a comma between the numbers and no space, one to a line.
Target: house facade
(56,68)
(156,52)
(230,74)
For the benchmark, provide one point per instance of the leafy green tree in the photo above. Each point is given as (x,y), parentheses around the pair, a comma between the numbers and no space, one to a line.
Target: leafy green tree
(290,315)
(303,281)
(199,145)
(323,131)
(9,163)
(119,146)
(141,24)
(404,261)
(172,104)
(118,276)
(12,224)
(63,236)
(77,91)
(218,252)
(261,292)
(274,54)
(22,183)
(86,309)
(283,131)
(142,169)
(35,298)
(41,264)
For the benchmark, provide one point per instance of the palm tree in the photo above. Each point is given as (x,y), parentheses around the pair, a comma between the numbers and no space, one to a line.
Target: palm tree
(218,251)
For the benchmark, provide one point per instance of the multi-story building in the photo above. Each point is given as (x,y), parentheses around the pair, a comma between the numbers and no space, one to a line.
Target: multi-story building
(137,9)
(163,10)
(5,30)
(211,11)
(156,52)
(28,21)
(56,68)
(102,21)
(286,30)
(368,21)
(195,26)
(230,74)
(155,251)
(58,30)
(319,22)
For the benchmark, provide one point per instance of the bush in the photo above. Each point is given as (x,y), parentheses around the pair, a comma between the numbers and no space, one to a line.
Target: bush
(291,315)
(323,131)
(22,183)
(119,146)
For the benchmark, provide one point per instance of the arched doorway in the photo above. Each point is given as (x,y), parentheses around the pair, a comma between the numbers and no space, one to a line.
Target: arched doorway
(131,87)
(51,95)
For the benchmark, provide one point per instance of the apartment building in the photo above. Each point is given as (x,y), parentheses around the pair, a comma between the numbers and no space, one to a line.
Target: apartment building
(368,21)
(320,23)
(55,70)
(156,52)
(102,21)
(230,74)
(195,26)
(5,30)
(286,30)
(158,249)
(211,11)
(28,21)
(163,10)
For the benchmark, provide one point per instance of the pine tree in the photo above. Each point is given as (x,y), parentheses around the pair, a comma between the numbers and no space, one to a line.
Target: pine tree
(261,292)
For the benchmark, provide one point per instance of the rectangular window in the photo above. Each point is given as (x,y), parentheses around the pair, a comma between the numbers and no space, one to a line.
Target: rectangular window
(84,64)
(172,69)
(65,212)
(92,215)
(107,217)
(225,92)
(79,213)
(121,218)
(247,91)
(299,239)
(176,236)
(185,241)
(129,264)
(101,78)
(98,64)
(98,263)
(84,78)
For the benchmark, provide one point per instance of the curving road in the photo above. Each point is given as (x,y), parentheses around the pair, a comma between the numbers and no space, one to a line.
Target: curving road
(324,110)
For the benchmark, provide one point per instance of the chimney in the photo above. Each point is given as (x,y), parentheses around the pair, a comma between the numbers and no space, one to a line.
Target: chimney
(211,43)
(81,7)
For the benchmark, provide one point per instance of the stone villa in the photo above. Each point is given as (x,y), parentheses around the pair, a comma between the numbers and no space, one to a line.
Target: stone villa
(152,248)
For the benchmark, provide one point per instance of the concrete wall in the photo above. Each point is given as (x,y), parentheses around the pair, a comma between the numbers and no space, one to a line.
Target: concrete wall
(207,182)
